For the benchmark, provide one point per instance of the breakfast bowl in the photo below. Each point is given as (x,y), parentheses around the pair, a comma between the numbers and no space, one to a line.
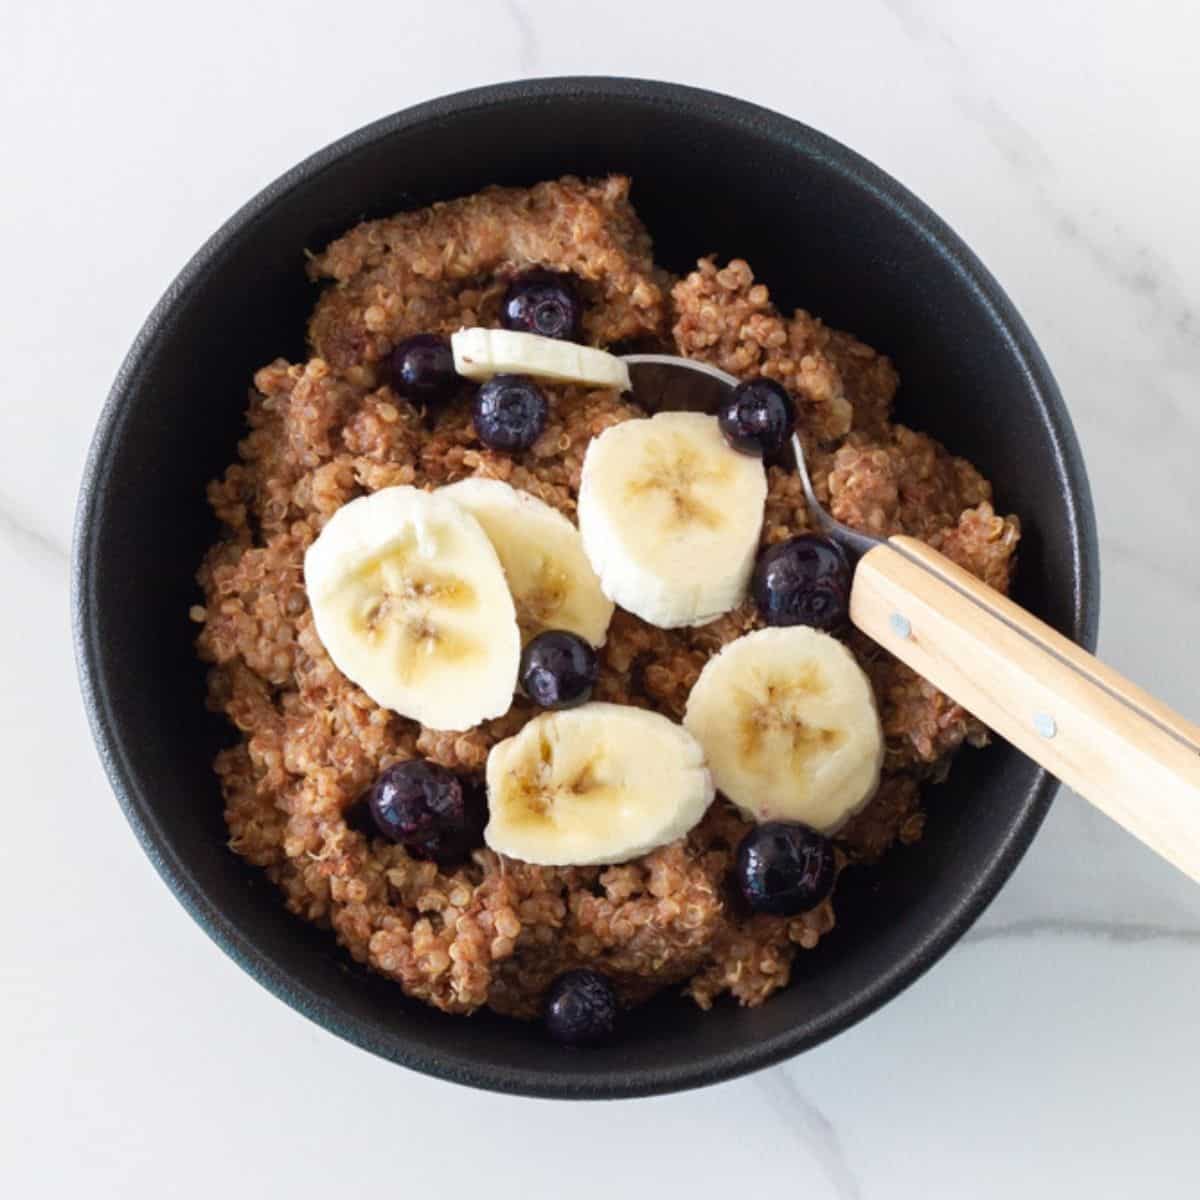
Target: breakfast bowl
(825,230)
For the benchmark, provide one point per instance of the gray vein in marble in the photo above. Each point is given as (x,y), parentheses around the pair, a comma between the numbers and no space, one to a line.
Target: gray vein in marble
(13,528)
(1019,148)
(1133,265)
(1145,274)
(1125,933)
(812,1130)
(915,24)
(528,48)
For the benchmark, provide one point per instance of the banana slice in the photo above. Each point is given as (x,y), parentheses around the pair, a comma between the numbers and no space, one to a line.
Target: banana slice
(788,722)
(670,517)
(551,580)
(482,353)
(602,783)
(410,600)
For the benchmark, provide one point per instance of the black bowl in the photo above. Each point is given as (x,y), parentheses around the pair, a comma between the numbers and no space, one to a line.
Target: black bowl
(825,230)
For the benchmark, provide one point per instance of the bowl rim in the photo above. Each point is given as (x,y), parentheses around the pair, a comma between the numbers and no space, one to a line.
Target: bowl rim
(702,1068)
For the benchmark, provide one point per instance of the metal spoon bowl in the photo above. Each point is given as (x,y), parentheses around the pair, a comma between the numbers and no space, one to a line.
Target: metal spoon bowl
(669,383)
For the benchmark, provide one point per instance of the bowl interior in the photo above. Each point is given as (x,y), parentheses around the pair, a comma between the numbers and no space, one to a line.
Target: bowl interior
(824,230)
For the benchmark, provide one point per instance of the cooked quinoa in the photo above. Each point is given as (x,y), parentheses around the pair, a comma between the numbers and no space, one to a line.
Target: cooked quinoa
(495,931)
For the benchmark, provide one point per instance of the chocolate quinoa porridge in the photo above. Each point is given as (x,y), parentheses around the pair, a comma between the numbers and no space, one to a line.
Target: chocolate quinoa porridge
(492,930)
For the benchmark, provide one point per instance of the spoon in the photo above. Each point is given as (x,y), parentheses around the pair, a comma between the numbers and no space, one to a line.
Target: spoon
(1125,752)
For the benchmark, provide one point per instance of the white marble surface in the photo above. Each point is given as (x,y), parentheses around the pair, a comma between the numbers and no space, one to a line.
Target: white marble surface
(1052,1054)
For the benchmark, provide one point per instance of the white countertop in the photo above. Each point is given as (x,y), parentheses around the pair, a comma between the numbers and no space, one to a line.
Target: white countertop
(1052,1054)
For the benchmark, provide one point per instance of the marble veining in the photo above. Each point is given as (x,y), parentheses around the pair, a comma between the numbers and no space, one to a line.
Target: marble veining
(24,536)
(1137,267)
(813,1131)
(1113,931)
(528,50)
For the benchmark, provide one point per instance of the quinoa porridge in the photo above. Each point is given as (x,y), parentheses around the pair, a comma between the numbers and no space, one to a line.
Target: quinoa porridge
(490,929)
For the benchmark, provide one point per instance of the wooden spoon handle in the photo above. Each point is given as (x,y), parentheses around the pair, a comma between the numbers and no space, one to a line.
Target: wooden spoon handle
(1127,753)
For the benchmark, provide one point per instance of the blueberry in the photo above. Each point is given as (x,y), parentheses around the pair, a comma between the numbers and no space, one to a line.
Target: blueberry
(510,412)
(428,810)
(558,669)
(423,369)
(543,302)
(803,581)
(757,417)
(581,1008)
(785,868)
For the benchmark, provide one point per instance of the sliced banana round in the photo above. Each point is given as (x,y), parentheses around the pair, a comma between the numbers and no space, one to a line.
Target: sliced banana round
(788,722)
(482,353)
(410,600)
(670,517)
(551,580)
(602,783)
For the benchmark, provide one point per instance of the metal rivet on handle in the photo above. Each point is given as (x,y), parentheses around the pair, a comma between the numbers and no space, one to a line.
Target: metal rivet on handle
(901,625)
(1045,724)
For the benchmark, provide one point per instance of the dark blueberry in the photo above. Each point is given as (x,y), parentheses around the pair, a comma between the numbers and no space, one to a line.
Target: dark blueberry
(803,581)
(757,417)
(510,412)
(558,669)
(428,810)
(785,868)
(423,369)
(543,302)
(581,1008)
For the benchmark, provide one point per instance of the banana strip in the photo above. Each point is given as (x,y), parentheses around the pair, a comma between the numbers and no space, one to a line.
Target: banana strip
(482,353)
